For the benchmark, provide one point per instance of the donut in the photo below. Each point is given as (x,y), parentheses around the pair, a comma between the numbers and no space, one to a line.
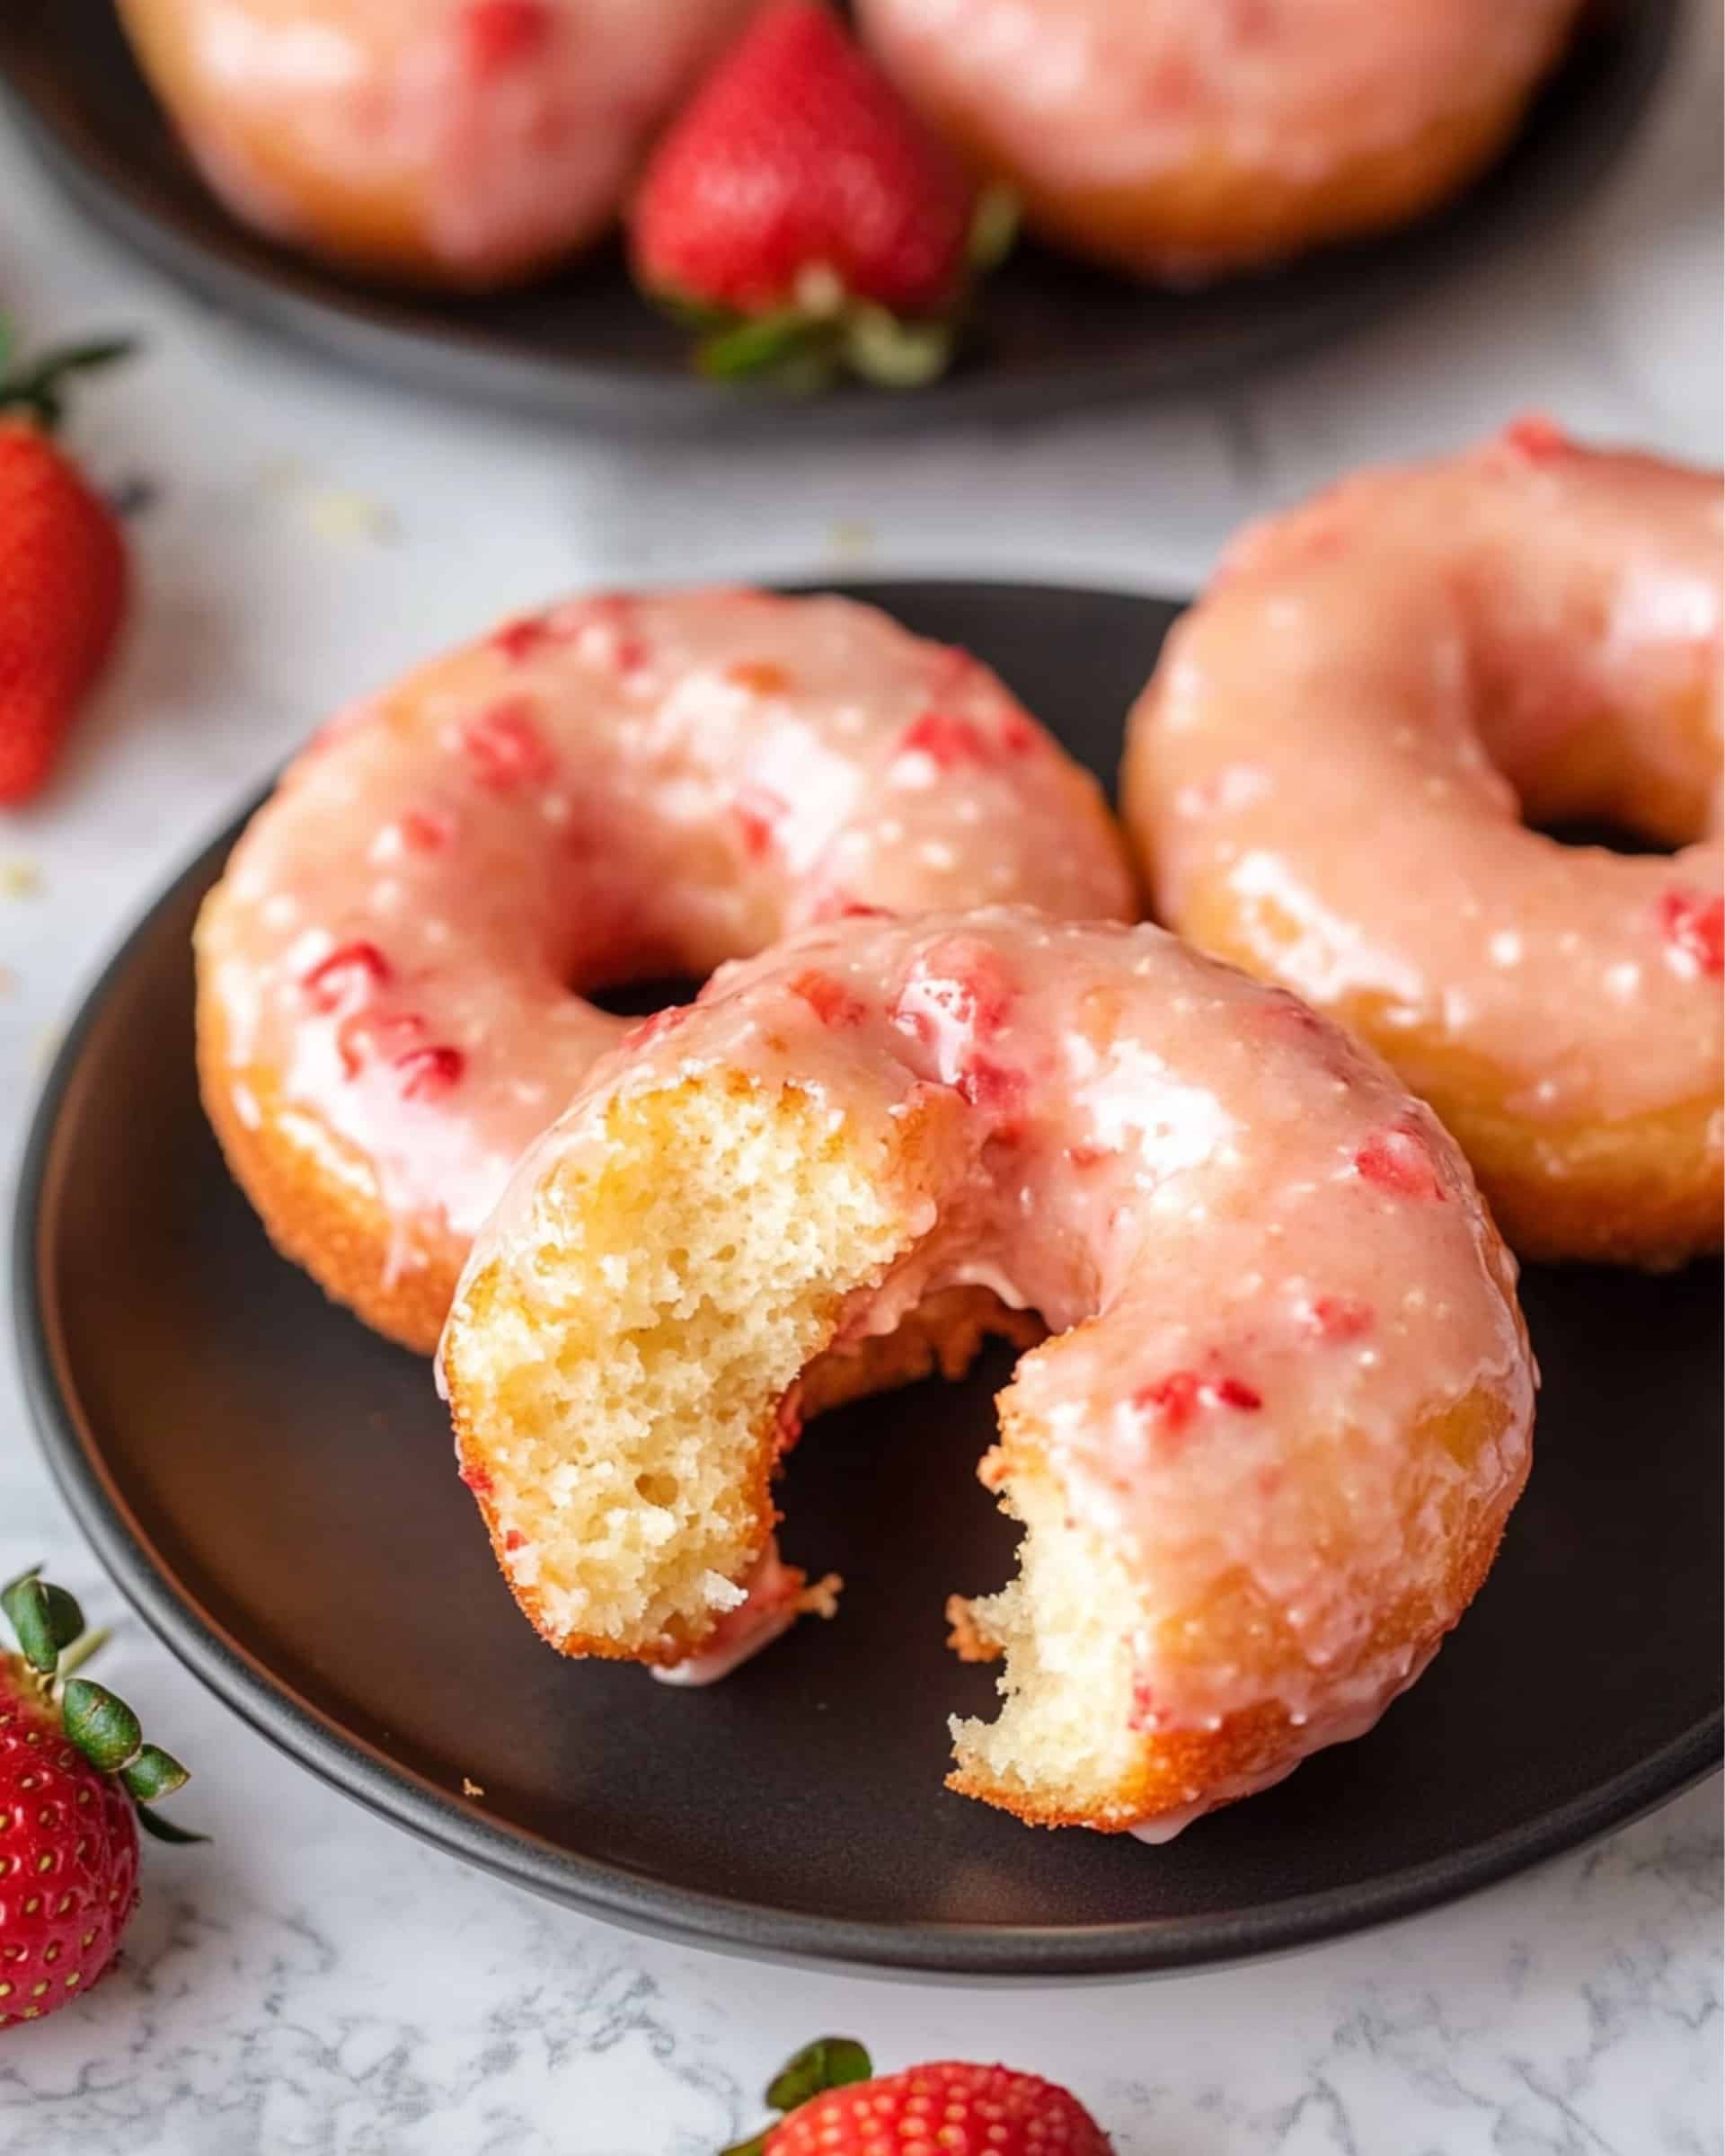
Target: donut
(1180,139)
(461,143)
(392,970)
(1262,1461)
(1330,777)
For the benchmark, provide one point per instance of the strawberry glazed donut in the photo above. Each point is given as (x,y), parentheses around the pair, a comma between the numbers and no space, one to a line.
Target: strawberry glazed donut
(1262,1466)
(466,143)
(1179,139)
(390,973)
(1331,775)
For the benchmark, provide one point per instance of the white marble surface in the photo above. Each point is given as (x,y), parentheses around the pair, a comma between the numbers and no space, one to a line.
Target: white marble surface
(314,1982)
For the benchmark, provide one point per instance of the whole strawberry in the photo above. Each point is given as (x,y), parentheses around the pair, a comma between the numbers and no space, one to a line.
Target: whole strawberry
(805,216)
(833,2108)
(62,571)
(76,1780)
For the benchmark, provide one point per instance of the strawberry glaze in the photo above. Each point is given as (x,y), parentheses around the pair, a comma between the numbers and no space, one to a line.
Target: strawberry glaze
(637,788)
(1335,753)
(1251,1336)
(1089,93)
(512,126)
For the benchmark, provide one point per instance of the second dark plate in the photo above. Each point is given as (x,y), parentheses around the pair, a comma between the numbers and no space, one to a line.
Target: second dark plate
(272,1485)
(584,347)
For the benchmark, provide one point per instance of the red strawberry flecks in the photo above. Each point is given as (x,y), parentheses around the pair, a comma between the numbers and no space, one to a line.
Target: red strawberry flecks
(368,1036)
(1535,439)
(1020,736)
(1397,1161)
(496,35)
(958,987)
(604,625)
(425,831)
(477,1479)
(1694,926)
(428,1073)
(1177,1400)
(507,745)
(523,637)
(1337,1318)
(839,905)
(946,739)
(758,812)
(997,1089)
(349,972)
(1145,1713)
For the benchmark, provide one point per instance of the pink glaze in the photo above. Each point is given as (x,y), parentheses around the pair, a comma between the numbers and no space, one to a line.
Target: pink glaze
(769,1602)
(1341,735)
(514,126)
(1092,93)
(1166,1148)
(618,788)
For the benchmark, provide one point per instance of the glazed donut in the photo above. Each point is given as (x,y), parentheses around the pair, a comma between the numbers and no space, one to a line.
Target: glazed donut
(466,143)
(1178,139)
(390,970)
(1261,1467)
(1329,775)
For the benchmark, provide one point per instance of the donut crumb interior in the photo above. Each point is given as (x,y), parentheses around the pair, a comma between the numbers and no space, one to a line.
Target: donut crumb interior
(619,1392)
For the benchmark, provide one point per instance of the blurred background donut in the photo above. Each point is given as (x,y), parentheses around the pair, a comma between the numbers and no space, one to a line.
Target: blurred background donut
(467,143)
(1181,139)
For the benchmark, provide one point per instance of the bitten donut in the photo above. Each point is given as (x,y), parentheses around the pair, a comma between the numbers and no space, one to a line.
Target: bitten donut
(390,973)
(465,142)
(1262,1464)
(1178,139)
(1330,777)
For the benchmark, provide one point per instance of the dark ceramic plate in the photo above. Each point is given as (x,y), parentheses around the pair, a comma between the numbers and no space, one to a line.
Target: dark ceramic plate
(272,1485)
(1055,336)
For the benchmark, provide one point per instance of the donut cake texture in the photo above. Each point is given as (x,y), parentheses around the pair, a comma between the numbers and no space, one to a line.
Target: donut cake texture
(1180,139)
(1330,777)
(463,143)
(391,970)
(1263,1458)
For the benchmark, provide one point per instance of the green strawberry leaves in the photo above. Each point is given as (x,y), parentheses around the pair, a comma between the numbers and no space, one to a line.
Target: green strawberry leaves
(39,388)
(54,1641)
(104,1729)
(44,1617)
(828,2062)
(824,332)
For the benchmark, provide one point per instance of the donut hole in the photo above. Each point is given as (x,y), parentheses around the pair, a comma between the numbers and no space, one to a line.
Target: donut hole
(1603,834)
(647,997)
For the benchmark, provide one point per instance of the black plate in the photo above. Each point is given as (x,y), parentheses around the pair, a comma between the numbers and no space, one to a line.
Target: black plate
(272,1485)
(1056,336)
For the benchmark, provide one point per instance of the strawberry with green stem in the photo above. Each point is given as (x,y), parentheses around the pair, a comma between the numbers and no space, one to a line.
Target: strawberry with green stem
(805,219)
(76,1782)
(63,571)
(834,2105)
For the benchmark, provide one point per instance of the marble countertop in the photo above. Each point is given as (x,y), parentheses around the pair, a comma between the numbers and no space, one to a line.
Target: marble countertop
(315,1981)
